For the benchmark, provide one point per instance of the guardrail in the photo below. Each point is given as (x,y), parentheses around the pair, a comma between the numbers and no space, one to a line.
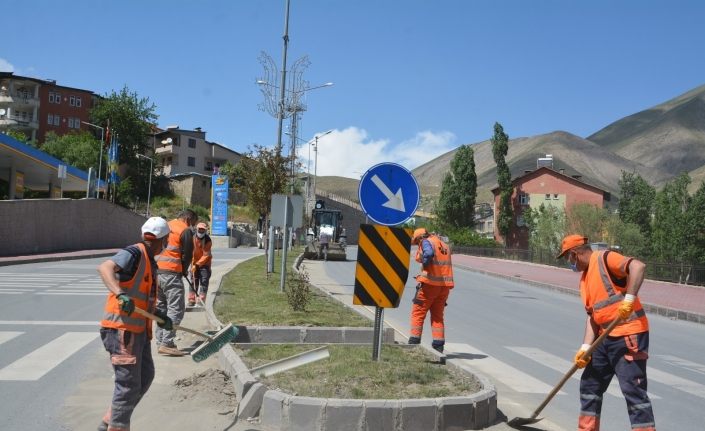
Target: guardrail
(681,273)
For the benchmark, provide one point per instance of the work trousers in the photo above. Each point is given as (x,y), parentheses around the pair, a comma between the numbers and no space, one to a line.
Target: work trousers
(433,299)
(170,299)
(131,356)
(625,357)
(201,278)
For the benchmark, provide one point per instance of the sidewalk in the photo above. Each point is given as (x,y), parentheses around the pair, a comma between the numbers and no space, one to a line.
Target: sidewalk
(676,301)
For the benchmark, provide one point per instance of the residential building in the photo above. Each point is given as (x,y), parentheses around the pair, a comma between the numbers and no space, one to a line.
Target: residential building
(189,160)
(484,219)
(35,106)
(544,186)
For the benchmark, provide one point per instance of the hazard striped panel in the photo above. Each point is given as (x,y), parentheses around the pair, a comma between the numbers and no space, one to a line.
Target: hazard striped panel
(382,265)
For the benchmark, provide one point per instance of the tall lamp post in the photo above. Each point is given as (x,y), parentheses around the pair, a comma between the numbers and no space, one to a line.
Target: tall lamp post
(315,162)
(100,160)
(149,187)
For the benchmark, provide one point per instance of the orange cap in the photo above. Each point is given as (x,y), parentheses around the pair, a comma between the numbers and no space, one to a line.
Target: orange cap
(571,241)
(418,233)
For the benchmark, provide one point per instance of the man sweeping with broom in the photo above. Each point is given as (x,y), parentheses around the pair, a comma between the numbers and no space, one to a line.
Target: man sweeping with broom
(608,287)
(131,278)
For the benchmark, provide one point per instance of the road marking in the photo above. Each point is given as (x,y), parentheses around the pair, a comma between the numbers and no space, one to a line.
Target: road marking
(51,322)
(39,362)
(683,363)
(70,293)
(510,376)
(676,382)
(561,365)
(12,293)
(8,335)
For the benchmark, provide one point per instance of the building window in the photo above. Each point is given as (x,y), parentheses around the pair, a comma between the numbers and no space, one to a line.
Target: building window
(524,199)
(78,102)
(489,225)
(192,161)
(57,98)
(548,196)
(72,100)
(74,123)
(51,97)
(70,122)
(50,119)
(209,167)
(57,120)
(191,143)
(555,196)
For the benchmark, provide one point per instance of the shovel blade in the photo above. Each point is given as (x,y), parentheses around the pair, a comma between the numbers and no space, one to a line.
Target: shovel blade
(518,422)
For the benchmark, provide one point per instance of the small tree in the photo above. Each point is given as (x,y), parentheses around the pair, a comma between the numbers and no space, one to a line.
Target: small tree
(589,220)
(546,226)
(298,292)
(669,239)
(81,150)
(636,201)
(500,146)
(456,204)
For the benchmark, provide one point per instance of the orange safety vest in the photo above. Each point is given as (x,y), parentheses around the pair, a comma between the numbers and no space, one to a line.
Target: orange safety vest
(602,295)
(440,268)
(139,288)
(202,251)
(170,257)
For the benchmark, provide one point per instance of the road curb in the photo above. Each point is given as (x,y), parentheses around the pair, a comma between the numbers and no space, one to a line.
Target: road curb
(281,411)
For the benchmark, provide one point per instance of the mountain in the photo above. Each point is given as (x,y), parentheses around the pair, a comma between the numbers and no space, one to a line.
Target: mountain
(658,143)
(669,136)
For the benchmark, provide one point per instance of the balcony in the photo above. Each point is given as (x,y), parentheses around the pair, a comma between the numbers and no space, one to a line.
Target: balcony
(20,121)
(166,149)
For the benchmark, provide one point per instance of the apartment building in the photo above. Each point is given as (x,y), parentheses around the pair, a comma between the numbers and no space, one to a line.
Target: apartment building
(189,160)
(36,106)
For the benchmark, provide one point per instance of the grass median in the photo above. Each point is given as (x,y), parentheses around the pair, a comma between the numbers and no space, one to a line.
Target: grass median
(247,297)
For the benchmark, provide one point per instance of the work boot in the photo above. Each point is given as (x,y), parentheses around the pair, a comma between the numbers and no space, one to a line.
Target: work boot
(437,346)
(191,299)
(103,426)
(169,350)
(414,340)
(203,297)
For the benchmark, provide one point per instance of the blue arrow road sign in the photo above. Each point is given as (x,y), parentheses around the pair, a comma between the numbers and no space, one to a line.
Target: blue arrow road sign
(389,194)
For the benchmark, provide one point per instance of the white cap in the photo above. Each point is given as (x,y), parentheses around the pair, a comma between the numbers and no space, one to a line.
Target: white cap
(156,226)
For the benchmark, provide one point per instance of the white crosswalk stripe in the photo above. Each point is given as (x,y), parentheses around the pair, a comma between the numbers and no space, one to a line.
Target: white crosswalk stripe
(683,363)
(561,365)
(486,364)
(8,335)
(51,284)
(39,362)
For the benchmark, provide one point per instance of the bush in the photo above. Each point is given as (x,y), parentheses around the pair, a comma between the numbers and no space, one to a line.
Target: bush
(298,292)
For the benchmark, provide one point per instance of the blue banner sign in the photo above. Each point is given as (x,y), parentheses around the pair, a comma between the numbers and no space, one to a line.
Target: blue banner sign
(219,205)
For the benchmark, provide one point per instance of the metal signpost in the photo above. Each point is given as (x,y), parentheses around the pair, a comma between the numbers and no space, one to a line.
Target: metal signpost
(389,195)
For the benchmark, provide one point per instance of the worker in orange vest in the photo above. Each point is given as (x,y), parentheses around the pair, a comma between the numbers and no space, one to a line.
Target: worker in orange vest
(201,266)
(173,263)
(433,288)
(609,286)
(131,278)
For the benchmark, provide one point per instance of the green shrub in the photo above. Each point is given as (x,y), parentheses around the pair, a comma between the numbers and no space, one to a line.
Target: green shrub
(298,291)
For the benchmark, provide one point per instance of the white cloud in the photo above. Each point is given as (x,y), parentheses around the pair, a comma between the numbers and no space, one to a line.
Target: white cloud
(351,152)
(6,66)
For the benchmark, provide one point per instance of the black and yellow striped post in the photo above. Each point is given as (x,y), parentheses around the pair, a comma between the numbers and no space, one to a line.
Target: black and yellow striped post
(381,271)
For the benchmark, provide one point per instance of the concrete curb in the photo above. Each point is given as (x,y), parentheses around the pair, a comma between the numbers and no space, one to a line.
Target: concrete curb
(284,412)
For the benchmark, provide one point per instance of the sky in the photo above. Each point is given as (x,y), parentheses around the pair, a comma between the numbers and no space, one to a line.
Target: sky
(411,79)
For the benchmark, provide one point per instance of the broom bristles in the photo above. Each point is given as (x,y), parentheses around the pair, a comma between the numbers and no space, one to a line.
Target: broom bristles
(218,341)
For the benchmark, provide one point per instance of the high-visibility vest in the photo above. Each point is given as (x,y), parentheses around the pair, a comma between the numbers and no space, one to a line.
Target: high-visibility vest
(602,294)
(202,251)
(139,288)
(170,257)
(440,269)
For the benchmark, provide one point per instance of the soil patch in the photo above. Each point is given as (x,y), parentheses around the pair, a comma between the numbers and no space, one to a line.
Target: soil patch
(210,387)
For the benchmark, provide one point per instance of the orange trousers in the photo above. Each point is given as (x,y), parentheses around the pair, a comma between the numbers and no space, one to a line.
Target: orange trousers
(430,298)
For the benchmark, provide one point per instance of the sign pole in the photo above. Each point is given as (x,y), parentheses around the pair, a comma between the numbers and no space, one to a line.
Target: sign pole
(377,346)
(285,230)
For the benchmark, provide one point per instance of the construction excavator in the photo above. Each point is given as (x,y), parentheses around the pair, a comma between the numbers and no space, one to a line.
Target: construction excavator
(328,222)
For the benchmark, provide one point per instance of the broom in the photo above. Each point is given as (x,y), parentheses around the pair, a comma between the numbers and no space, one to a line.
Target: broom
(214,342)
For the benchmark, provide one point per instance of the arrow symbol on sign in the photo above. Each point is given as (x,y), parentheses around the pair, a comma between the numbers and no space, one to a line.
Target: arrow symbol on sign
(395,200)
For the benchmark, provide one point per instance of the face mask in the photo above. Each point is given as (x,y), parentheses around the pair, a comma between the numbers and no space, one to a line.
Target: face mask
(573,266)
(200,234)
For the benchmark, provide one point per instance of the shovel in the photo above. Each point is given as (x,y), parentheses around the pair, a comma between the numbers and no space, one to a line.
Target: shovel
(517,422)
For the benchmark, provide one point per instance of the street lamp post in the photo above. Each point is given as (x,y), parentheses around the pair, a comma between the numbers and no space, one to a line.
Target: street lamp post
(315,162)
(149,187)
(100,160)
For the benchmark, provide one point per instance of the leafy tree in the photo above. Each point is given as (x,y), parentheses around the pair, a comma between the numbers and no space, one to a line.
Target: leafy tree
(695,221)
(81,150)
(546,225)
(500,146)
(588,220)
(20,136)
(456,204)
(627,236)
(636,201)
(130,117)
(669,234)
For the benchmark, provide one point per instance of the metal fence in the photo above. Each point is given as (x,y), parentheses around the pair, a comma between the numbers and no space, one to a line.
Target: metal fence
(672,272)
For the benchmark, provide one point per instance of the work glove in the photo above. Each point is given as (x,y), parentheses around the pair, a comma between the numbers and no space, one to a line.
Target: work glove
(579,361)
(167,324)
(626,307)
(126,303)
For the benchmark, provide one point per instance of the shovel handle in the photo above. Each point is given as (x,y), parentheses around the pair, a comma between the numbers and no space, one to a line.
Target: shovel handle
(151,316)
(574,368)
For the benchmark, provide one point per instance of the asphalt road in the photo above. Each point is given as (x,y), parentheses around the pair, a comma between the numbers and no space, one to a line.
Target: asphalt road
(49,340)
(524,338)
